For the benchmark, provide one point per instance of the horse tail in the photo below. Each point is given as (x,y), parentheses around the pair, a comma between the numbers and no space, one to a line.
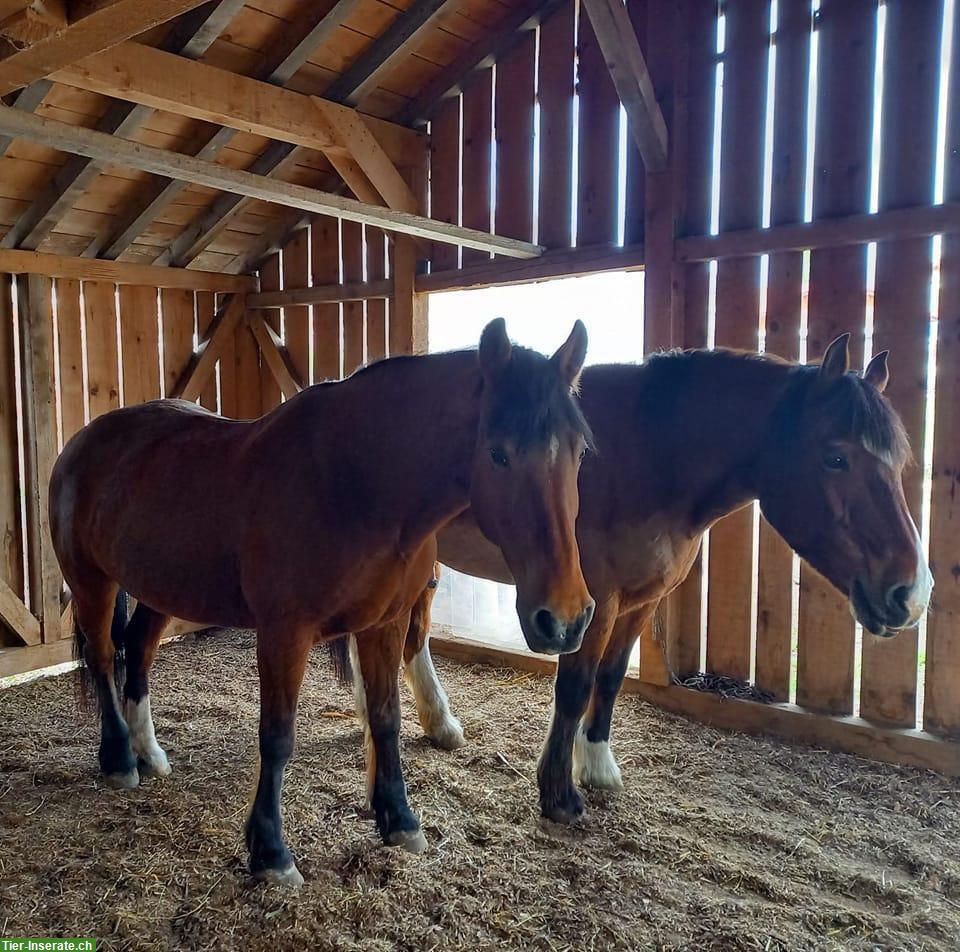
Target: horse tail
(85,687)
(340,658)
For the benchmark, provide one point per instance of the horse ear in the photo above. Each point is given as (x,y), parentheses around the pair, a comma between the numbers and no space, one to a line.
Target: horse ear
(836,361)
(571,354)
(495,348)
(877,372)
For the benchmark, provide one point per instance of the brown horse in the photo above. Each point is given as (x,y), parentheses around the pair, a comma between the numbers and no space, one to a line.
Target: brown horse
(681,441)
(314,521)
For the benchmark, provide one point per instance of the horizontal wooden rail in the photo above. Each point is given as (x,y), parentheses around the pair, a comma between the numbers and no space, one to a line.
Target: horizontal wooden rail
(915,222)
(565,263)
(120,272)
(850,734)
(114,150)
(322,294)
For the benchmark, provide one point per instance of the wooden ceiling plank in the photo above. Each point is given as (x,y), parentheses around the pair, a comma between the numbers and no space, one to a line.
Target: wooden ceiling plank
(97,145)
(303,36)
(189,38)
(107,25)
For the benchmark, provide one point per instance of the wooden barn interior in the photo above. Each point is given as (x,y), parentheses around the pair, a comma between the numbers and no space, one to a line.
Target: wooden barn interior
(229,200)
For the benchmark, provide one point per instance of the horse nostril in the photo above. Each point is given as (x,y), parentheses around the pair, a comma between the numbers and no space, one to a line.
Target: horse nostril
(899,597)
(546,623)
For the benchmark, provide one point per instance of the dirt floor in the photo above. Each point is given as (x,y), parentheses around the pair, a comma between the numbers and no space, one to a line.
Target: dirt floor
(719,842)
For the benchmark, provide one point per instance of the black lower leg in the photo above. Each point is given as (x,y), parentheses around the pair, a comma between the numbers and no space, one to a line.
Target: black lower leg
(389,800)
(607,685)
(264,833)
(116,757)
(559,798)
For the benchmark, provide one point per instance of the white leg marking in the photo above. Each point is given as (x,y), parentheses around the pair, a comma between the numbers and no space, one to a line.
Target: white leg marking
(594,764)
(143,741)
(433,705)
(360,702)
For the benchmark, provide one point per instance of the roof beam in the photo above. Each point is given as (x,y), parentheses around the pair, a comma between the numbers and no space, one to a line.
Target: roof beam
(628,70)
(109,23)
(389,48)
(164,81)
(300,39)
(191,38)
(452,79)
(105,148)
(369,68)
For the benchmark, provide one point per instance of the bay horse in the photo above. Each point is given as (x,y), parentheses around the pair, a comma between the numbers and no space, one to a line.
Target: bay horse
(683,440)
(314,521)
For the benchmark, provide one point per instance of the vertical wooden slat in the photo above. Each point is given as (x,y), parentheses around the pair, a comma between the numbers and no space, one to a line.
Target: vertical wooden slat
(847,28)
(477,123)
(325,254)
(888,690)
(72,397)
(784,291)
(206,309)
(351,236)
(100,317)
(635,204)
(35,307)
(445,177)
(738,314)
(11,530)
(514,133)
(555,92)
(138,344)
(296,320)
(177,318)
(686,601)
(941,701)
(376,307)
(599,136)
(270,281)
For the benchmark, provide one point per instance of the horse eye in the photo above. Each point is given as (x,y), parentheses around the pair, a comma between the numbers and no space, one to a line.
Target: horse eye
(499,457)
(836,462)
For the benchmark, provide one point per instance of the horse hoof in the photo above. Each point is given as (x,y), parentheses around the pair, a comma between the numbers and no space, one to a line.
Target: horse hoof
(448,735)
(413,841)
(122,781)
(156,765)
(564,816)
(288,878)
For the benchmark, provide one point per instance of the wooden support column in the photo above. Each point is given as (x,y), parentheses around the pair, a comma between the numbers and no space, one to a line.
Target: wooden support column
(35,311)
(663,296)
(408,307)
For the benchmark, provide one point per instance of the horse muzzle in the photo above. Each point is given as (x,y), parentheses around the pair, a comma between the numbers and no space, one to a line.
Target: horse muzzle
(545,633)
(885,613)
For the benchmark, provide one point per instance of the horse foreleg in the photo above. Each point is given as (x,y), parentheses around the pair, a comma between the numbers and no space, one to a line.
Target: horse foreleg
(141,640)
(559,798)
(281,659)
(433,705)
(593,762)
(376,656)
(93,607)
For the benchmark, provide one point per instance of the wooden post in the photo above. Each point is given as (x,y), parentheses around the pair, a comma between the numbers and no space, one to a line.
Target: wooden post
(35,309)
(408,309)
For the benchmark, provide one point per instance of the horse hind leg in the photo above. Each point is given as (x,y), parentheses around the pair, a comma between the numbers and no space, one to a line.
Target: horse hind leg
(96,625)
(433,705)
(140,641)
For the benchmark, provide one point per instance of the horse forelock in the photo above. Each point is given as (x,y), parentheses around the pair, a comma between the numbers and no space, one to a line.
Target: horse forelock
(531,405)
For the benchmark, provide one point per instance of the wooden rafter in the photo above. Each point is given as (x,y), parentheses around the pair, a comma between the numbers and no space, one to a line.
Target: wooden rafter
(97,145)
(452,79)
(191,39)
(367,71)
(13,261)
(287,55)
(628,70)
(225,208)
(108,24)
(164,81)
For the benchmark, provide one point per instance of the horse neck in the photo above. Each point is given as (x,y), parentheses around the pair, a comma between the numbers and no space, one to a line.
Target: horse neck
(703,421)
(424,415)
